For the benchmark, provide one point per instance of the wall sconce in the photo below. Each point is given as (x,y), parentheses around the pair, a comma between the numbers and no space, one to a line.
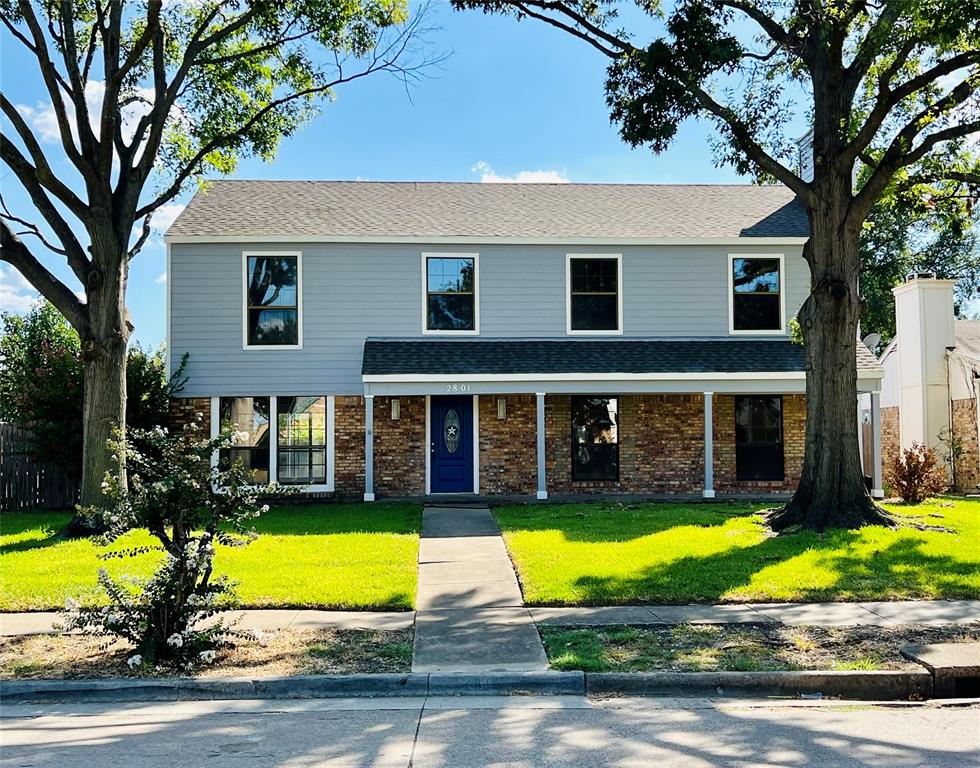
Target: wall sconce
(396,408)
(501,407)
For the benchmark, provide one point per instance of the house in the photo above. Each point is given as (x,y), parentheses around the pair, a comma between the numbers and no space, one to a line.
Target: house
(407,339)
(932,376)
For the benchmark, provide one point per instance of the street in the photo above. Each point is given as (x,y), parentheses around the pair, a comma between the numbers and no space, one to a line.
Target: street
(490,731)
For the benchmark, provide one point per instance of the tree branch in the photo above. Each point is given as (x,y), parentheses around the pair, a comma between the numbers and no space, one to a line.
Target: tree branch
(31,228)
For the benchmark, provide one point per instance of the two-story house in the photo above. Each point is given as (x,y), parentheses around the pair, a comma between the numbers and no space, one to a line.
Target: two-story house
(408,339)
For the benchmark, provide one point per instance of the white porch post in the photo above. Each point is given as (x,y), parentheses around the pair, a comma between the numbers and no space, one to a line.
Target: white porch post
(368,447)
(542,479)
(709,447)
(273,440)
(877,489)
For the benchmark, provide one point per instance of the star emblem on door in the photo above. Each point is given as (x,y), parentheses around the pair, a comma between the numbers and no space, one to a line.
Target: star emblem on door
(450,430)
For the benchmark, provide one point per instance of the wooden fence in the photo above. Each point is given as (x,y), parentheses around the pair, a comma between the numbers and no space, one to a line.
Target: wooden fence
(26,483)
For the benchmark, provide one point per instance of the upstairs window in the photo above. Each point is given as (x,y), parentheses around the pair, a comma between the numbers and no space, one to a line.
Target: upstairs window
(302,440)
(249,416)
(272,300)
(759,438)
(595,438)
(757,301)
(450,294)
(593,294)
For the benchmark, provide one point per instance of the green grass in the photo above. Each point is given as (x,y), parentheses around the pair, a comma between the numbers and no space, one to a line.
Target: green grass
(346,556)
(605,553)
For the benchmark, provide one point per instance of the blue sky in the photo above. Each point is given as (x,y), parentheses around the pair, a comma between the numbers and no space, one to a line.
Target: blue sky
(511,99)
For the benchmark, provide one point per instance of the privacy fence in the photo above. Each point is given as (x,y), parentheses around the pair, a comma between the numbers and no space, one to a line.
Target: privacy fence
(26,483)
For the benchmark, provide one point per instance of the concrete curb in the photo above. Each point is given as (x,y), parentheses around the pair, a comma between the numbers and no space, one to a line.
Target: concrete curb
(876,686)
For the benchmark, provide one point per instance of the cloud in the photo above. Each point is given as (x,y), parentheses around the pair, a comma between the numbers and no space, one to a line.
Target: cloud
(164,216)
(489,176)
(162,279)
(16,294)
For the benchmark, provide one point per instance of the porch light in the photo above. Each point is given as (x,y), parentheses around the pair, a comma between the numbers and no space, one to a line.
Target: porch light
(396,409)
(501,407)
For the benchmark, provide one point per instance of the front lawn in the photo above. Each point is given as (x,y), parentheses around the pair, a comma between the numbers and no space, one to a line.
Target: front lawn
(605,553)
(344,556)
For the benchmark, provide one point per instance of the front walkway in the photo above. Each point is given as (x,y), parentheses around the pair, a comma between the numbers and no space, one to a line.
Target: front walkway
(470,613)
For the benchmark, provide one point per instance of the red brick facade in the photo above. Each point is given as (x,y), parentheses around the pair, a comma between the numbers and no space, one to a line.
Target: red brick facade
(967,469)
(183,410)
(660,437)
(891,440)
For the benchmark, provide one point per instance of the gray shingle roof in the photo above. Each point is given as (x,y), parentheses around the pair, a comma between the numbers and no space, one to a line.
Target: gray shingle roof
(529,356)
(968,338)
(356,209)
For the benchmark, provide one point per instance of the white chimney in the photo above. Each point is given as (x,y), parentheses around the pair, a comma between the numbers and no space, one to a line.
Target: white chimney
(924,327)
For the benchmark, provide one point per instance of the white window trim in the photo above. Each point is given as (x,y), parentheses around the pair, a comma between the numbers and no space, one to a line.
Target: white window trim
(568,293)
(327,487)
(781,331)
(425,293)
(299,301)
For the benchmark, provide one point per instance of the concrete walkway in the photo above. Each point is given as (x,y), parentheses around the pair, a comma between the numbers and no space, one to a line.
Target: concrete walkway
(470,613)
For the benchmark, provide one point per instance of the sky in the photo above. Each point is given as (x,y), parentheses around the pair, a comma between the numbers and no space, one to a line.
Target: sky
(512,101)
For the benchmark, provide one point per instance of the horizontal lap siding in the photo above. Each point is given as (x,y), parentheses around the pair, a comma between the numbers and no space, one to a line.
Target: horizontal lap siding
(351,292)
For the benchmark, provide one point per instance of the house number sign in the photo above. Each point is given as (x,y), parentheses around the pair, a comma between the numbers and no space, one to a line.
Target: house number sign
(458,388)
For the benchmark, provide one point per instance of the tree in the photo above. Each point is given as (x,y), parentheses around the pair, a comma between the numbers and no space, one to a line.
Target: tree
(41,384)
(890,85)
(929,231)
(187,90)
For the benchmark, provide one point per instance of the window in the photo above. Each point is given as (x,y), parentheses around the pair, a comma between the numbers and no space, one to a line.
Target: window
(302,440)
(249,415)
(272,300)
(450,294)
(593,294)
(595,438)
(759,438)
(757,301)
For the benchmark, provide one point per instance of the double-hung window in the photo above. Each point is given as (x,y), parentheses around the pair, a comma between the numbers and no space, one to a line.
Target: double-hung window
(756,294)
(759,437)
(272,300)
(302,440)
(594,294)
(595,438)
(249,416)
(451,302)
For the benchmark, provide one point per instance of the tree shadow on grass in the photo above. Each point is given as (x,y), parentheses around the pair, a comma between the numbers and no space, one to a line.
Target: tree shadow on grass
(50,524)
(901,569)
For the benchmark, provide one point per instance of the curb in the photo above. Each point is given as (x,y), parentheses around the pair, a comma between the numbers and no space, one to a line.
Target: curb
(874,686)
(871,686)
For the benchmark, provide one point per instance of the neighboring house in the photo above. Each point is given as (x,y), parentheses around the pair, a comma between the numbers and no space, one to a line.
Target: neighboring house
(405,339)
(932,376)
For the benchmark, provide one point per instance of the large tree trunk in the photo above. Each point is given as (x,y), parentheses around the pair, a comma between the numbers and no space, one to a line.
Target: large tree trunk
(832,491)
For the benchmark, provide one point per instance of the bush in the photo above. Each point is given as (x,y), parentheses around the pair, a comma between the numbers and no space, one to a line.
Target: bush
(917,474)
(188,505)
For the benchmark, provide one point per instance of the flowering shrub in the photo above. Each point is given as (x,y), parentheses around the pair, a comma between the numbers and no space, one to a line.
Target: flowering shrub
(188,505)
(916,474)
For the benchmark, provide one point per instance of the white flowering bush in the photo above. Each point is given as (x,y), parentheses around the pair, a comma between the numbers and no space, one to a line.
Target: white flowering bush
(188,505)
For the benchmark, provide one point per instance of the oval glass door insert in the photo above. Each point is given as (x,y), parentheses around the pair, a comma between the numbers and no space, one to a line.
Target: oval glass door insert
(450,430)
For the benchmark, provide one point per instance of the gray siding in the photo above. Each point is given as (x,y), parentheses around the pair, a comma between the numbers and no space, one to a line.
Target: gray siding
(354,291)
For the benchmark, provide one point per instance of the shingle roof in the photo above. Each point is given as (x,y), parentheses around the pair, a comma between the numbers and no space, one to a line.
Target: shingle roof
(356,209)
(968,338)
(530,356)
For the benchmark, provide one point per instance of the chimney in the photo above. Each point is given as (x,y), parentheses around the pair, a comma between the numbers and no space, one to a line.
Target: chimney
(924,327)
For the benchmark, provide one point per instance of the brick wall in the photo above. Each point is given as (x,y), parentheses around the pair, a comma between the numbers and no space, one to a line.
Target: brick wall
(349,447)
(967,470)
(890,437)
(183,410)
(399,447)
(794,435)
(508,446)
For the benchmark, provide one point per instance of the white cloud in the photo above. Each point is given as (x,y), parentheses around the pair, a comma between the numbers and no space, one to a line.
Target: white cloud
(162,279)
(489,176)
(16,294)
(164,216)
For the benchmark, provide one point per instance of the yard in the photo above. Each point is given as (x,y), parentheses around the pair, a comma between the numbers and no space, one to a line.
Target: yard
(605,553)
(344,556)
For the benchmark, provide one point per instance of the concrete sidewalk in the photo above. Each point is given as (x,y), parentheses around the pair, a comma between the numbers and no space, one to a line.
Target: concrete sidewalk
(470,611)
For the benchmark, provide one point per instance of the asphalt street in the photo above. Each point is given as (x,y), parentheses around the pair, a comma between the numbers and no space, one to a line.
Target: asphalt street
(489,731)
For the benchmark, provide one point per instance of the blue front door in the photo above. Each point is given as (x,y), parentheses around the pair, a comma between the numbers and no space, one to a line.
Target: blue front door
(451,445)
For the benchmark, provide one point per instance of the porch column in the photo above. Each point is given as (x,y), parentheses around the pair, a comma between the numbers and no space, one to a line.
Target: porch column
(709,447)
(877,487)
(368,447)
(542,479)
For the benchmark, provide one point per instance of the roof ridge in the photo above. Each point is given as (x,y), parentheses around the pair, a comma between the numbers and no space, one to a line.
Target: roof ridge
(498,184)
